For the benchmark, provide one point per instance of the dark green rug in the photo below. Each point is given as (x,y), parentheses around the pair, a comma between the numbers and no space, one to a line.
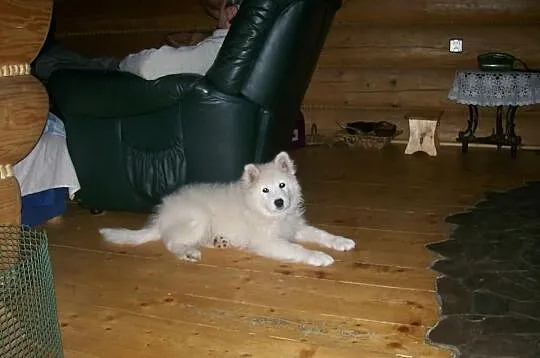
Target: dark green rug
(489,278)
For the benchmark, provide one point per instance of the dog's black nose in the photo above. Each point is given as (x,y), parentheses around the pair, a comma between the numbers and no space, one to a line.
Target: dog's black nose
(278,203)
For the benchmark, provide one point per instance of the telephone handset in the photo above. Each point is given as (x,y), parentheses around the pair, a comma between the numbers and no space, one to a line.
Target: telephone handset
(498,61)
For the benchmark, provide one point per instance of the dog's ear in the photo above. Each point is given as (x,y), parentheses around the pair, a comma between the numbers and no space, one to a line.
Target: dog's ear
(251,173)
(285,163)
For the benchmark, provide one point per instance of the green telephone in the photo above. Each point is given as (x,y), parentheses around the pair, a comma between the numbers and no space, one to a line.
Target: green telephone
(498,61)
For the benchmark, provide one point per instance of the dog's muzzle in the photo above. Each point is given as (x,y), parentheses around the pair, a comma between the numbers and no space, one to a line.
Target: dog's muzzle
(279,203)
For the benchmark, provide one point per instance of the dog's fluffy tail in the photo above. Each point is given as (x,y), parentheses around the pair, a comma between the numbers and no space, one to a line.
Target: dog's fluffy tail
(130,237)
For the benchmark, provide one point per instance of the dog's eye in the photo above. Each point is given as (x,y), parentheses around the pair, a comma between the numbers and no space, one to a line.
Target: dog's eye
(265,190)
(282,185)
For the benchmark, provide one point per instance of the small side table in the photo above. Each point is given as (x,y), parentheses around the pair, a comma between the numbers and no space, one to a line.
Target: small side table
(494,89)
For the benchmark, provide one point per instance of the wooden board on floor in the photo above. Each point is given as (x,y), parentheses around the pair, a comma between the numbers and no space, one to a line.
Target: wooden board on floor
(376,301)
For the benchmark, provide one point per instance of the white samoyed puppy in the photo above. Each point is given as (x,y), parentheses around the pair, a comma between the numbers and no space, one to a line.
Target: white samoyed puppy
(262,213)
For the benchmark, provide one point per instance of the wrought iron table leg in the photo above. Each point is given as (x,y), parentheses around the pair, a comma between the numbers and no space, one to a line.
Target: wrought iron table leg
(510,130)
(472,124)
(499,135)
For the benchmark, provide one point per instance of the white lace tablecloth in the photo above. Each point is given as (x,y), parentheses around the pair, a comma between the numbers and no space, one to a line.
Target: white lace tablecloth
(496,88)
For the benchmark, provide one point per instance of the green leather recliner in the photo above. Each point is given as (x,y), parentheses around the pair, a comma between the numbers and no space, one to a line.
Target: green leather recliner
(132,141)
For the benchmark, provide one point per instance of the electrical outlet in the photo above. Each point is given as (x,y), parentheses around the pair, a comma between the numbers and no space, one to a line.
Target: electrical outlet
(456,45)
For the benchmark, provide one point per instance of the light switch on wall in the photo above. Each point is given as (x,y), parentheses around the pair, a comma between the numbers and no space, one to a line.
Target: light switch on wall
(456,45)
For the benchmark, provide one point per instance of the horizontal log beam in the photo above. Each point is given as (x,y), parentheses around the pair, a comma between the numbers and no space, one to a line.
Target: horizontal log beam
(334,96)
(76,16)
(382,79)
(354,45)
(454,12)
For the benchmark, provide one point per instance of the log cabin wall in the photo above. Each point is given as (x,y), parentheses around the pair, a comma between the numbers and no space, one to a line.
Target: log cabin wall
(382,58)
(119,27)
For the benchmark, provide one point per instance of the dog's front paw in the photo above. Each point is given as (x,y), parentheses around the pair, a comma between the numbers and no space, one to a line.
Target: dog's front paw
(319,258)
(342,244)
(192,255)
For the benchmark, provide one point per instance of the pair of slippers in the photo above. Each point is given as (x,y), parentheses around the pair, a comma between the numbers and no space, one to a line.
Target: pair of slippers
(379,129)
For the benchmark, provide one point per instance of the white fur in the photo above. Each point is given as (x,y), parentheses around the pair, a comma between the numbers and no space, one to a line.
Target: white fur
(244,213)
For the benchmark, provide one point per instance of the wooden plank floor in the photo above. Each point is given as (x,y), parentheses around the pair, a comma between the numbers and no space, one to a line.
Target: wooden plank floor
(376,301)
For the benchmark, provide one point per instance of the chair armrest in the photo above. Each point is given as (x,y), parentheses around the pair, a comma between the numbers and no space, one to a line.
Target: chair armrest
(111,94)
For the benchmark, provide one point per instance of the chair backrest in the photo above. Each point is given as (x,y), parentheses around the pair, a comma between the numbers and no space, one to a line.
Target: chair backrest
(272,49)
